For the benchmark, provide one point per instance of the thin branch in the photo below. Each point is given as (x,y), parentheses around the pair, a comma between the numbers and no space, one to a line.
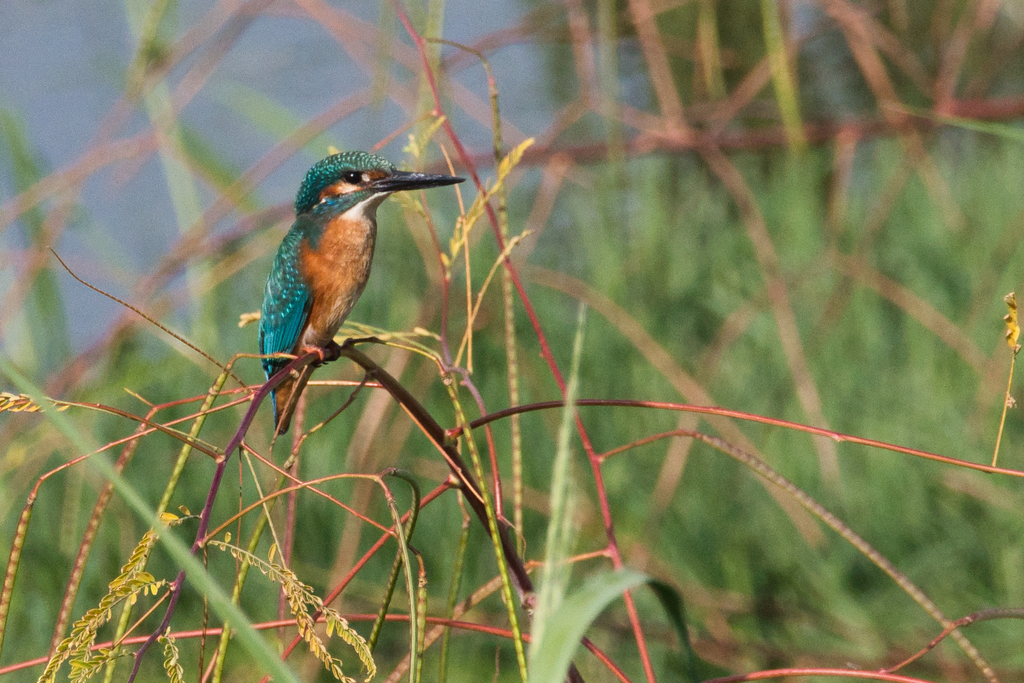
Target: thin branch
(150,319)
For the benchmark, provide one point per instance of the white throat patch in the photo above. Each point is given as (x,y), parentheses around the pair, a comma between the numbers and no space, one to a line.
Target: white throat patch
(366,210)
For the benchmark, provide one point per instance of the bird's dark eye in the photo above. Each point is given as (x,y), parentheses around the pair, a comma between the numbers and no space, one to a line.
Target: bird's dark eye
(352,177)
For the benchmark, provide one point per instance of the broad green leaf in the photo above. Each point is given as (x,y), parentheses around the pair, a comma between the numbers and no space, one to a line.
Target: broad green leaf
(566,627)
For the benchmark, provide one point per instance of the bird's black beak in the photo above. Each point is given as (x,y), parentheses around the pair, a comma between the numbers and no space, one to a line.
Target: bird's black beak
(404,180)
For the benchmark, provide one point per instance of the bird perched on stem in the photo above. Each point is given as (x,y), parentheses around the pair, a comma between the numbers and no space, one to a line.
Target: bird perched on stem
(323,263)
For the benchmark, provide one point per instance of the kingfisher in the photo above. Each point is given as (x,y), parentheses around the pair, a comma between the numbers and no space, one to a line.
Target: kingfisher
(323,263)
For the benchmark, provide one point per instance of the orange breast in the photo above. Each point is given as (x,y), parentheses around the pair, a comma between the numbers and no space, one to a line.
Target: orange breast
(337,271)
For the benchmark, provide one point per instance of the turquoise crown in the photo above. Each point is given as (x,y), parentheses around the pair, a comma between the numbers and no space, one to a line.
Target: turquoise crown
(330,170)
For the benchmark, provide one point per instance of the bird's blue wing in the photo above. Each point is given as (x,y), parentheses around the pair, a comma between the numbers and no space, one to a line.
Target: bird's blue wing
(286,304)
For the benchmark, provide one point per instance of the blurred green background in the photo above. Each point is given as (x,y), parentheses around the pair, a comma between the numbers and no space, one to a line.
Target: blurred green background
(805,210)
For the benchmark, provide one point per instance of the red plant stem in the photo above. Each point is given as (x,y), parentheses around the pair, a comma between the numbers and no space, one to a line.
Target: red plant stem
(811,671)
(218,475)
(983,615)
(750,417)
(85,547)
(282,623)
(441,488)
(545,349)
(179,581)
(289,533)
(492,450)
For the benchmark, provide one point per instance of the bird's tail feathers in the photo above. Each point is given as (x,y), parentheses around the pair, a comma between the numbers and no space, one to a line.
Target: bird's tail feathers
(286,398)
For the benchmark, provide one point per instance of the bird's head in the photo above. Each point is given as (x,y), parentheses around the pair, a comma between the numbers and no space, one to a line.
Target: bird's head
(354,177)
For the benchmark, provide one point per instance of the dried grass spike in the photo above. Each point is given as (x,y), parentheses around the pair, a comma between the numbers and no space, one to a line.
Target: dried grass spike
(22,403)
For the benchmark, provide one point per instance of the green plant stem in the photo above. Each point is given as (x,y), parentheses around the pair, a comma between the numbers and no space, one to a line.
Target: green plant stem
(179,552)
(462,475)
(404,550)
(782,75)
(453,588)
(507,300)
(165,498)
(400,555)
(493,531)
(1006,404)
(477,497)
(558,542)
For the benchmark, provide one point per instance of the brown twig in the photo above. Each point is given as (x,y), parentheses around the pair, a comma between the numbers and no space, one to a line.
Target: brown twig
(462,474)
